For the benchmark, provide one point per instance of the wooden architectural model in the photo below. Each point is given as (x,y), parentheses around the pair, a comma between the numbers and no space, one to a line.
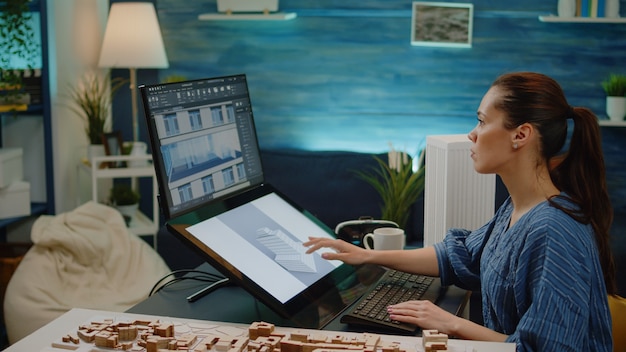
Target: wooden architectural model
(156,336)
(433,340)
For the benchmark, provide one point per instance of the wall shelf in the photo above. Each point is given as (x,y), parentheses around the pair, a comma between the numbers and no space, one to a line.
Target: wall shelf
(275,16)
(557,19)
(611,123)
(38,8)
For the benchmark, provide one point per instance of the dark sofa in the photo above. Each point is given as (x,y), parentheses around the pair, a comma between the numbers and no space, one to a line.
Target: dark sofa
(322,182)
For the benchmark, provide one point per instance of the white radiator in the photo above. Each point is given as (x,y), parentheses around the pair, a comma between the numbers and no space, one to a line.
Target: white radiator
(455,195)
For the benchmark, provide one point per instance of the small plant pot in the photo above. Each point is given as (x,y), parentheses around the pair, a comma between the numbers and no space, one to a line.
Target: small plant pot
(127,211)
(616,108)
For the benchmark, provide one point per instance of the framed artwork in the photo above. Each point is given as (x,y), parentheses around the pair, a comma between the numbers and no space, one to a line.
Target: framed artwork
(113,146)
(445,24)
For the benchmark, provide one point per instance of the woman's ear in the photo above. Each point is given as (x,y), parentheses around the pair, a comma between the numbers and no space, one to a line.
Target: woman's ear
(522,134)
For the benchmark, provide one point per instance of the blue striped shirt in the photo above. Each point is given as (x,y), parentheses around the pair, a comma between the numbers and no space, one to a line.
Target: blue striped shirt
(541,280)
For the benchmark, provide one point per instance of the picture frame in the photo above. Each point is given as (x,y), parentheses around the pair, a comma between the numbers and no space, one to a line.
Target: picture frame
(444,24)
(112,142)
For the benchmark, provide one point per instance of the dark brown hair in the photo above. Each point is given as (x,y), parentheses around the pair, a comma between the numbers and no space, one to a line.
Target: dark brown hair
(579,170)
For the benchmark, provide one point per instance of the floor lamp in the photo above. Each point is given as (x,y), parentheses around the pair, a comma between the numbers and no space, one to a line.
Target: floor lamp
(133,40)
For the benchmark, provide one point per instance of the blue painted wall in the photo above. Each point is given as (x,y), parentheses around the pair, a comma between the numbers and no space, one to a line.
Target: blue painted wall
(343,74)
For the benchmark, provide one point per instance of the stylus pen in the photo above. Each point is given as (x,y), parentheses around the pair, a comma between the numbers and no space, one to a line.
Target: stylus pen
(205,291)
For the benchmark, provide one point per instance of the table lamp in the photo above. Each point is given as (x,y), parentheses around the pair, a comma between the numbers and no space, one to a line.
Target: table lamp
(132,40)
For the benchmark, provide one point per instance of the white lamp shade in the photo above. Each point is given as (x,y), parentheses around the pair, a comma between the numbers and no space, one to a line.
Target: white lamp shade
(133,38)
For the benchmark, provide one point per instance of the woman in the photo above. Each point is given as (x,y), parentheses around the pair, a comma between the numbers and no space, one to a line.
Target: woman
(543,263)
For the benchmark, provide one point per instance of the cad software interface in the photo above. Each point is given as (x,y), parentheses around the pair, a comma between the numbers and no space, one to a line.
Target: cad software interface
(207,139)
(267,246)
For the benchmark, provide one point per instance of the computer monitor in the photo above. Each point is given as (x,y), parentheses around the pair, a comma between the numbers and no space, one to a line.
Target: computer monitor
(204,146)
(212,191)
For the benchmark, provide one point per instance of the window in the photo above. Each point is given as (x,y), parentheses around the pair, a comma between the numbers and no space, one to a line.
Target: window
(207,184)
(171,125)
(184,192)
(216,115)
(241,172)
(194,120)
(229,177)
(230,112)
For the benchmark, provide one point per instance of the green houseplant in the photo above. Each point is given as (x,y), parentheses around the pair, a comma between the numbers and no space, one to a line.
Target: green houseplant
(615,85)
(125,199)
(18,48)
(615,88)
(123,194)
(92,98)
(398,183)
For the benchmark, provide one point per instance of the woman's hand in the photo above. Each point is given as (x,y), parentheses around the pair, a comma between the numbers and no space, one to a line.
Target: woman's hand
(344,251)
(424,314)
(428,315)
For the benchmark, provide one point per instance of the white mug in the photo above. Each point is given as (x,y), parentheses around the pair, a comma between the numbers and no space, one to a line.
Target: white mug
(385,238)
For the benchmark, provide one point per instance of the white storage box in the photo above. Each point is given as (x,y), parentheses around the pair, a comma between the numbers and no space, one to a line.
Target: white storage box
(11,166)
(15,200)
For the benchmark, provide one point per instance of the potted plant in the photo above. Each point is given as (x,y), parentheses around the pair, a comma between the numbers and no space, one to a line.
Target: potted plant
(615,88)
(125,199)
(92,98)
(18,48)
(398,184)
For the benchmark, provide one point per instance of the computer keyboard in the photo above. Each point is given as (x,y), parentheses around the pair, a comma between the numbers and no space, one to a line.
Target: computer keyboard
(393,287)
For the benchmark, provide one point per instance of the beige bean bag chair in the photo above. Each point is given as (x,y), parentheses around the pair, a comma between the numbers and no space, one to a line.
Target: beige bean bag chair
(85,258)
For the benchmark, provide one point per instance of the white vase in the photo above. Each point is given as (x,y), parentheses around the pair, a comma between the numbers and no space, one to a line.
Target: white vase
(616,108)
(566,8)
(139,149)
(611,10)
(95,150)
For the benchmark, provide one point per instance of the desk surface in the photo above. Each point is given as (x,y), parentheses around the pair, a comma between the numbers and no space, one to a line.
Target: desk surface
(235,305)
(42,339)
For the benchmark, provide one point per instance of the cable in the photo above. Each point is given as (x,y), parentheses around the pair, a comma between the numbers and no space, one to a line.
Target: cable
(175,280)
(204,277)
(205,291)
